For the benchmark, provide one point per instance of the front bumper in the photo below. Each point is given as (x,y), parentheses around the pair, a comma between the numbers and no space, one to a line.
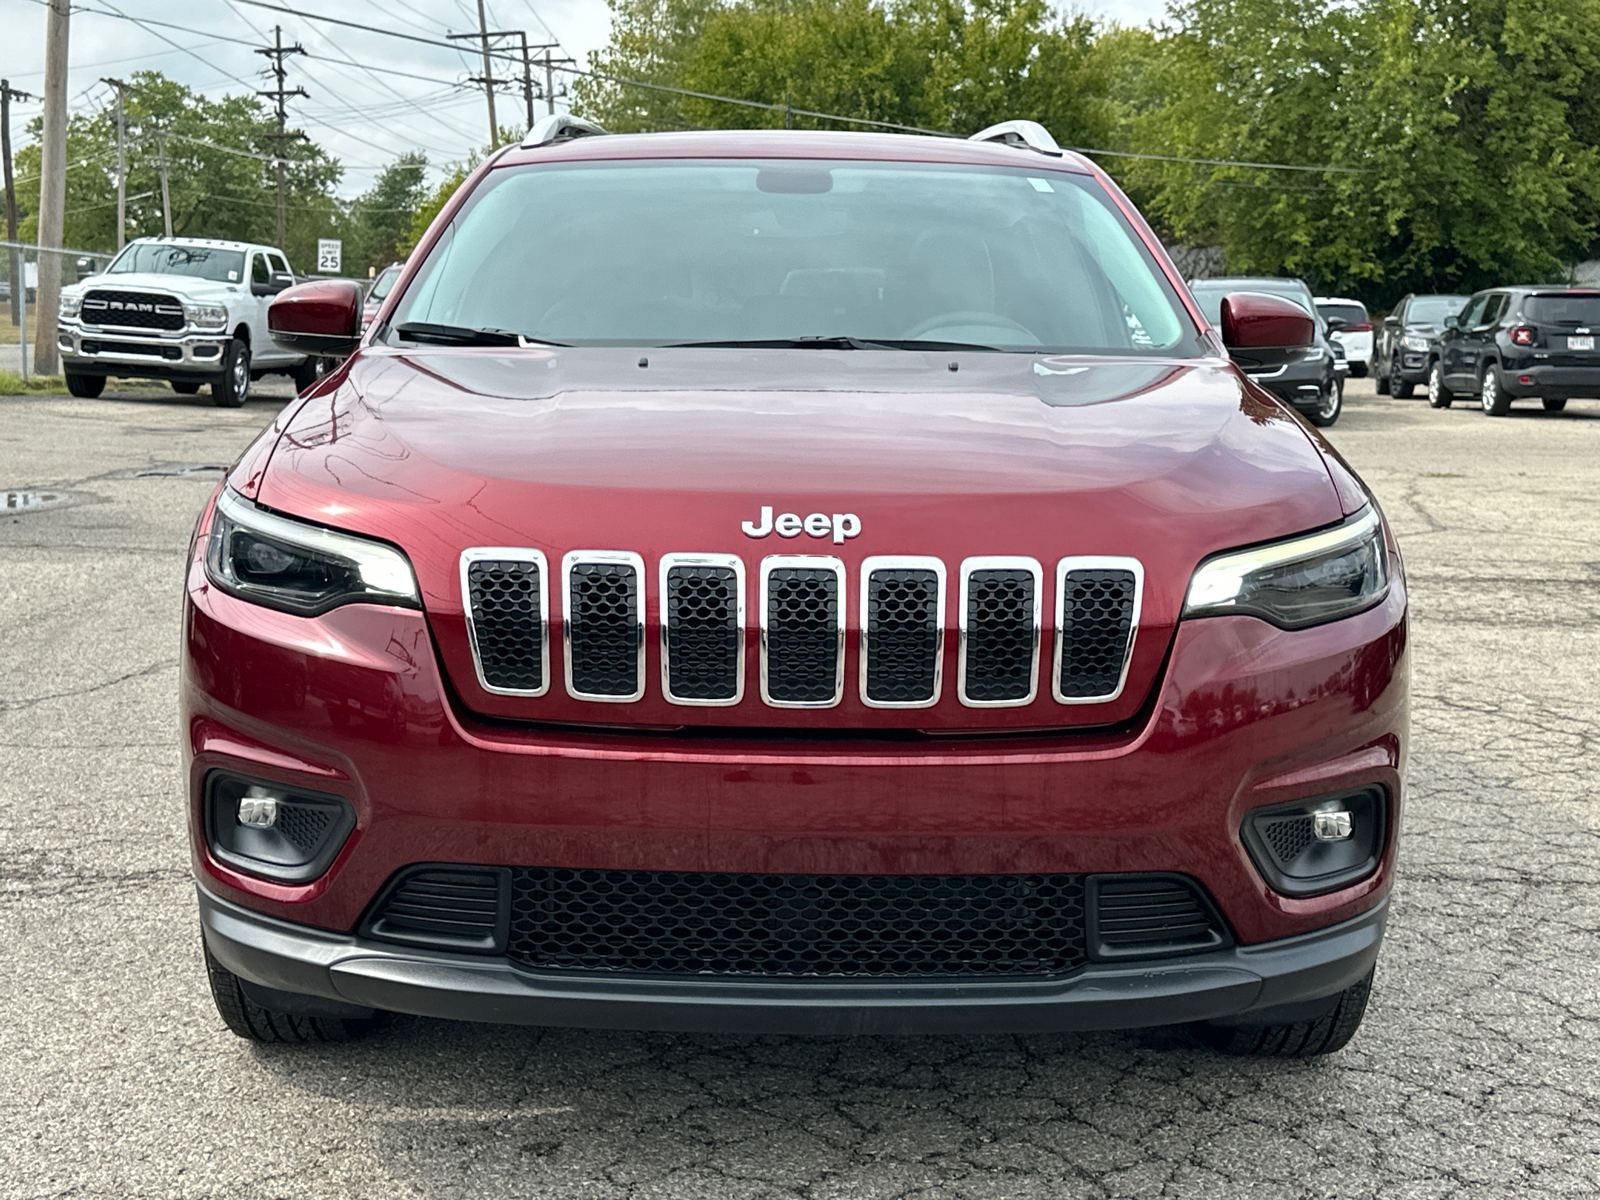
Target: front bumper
(1280,980)
(176,356)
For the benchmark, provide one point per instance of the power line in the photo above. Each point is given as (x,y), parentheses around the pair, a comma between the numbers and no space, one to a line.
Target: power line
(278,52)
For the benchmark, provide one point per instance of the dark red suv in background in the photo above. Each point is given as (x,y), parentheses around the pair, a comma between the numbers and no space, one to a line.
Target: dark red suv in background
(794,581)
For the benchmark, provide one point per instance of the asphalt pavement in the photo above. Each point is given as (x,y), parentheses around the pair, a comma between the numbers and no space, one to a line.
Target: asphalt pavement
(1477,1073)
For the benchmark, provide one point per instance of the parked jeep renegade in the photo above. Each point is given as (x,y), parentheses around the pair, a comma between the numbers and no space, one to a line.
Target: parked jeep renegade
(791,581)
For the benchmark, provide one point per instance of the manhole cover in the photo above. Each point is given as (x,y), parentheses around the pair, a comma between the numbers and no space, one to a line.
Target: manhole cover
(21,501)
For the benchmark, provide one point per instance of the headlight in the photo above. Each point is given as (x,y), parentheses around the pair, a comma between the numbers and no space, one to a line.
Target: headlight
(1316,354)
(1414,341)
(206,316)
(1304,581)
(299,568)
(70,307)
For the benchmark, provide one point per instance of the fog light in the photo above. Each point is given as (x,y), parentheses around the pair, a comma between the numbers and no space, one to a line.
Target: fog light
(1333,826)
(1319,844)
(259,809)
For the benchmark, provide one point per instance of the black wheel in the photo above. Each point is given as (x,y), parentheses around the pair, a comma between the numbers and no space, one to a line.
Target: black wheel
(85,387)
(1330,406)
(1299,1039)
(1491,395)
(250,1021)
(308,372)
(232,388)
(185,387)
(1439,396)
(1380,380)
(1554,403)
(1358,370)
(1398,387)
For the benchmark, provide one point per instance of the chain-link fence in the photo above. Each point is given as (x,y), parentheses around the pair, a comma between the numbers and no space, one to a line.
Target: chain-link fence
(19,282)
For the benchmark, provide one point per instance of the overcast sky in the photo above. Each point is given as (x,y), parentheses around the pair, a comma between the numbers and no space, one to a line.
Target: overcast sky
(371,96)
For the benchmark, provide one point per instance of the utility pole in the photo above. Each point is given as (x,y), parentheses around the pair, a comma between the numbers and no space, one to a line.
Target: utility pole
(277,52)
(549,76)
(122,163)
(52,185)
(7,95)
(166,196)
(487,78)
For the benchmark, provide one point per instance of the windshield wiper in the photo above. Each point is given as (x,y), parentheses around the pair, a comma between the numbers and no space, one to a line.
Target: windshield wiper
(462,335)
(828,342)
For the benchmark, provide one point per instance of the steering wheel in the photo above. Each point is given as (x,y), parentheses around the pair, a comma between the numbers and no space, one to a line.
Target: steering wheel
(991,319)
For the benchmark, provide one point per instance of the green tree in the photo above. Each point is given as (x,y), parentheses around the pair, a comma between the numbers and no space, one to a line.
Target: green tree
(379,220)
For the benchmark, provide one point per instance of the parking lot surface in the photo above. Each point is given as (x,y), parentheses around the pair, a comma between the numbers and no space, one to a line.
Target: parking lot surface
(1477,1073)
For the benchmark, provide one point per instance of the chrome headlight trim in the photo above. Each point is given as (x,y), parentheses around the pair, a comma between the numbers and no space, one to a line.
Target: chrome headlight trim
(206,316)
(1233,582)
(376,573)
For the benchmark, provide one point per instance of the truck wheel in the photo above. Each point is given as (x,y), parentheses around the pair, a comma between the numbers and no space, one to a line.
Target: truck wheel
(1398,387)
(308,372)
(1329,407)
(1554,403)
(1491,395)
(1298,1039)
(1380,380)
(185,387)
(1439,396)
(85,387)
(1358,370)
(232,388)
(254,1023)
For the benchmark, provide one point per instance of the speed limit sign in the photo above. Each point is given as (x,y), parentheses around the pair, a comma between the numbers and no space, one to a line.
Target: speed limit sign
(330,255)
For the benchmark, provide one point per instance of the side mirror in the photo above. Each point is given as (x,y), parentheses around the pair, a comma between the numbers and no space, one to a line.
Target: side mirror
(271,287)
(320,317)
(1335,324)
(1264,332)
(1452,320)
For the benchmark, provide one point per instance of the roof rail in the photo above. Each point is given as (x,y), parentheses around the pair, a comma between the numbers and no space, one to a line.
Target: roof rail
(559,127)
(1021,134)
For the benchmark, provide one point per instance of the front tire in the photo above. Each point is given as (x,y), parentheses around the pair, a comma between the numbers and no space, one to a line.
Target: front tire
(232,388)
(247,1019)
(1439,396)
(1398,387)
(1327,412)
(1298,1039)
(308,372)
(1491,395)
(1380,380)
(85,387)
(1358,370)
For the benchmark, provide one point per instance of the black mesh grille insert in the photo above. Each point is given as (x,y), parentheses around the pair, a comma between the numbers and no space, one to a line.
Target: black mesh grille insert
(304,824)
(1096,621)
(902,635)
(702,634)
(443,905)
(802,634)
(604,629)
(1289,836)
(798,926)
(132,310)
(1152,914)
(506,623)
(1000,634)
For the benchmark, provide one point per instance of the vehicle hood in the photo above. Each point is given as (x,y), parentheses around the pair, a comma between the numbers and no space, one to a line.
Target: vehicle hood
(671,450)
(187,286)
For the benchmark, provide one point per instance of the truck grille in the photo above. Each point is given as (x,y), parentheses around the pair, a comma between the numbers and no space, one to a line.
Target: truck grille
(902,631)
(796,926)
(802,631)
(1099,601)
(507,618)
(702,629)
(999,631)
(603,619)
(132,310)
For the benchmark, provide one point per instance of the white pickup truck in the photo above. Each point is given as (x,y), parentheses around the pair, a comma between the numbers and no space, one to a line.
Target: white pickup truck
(192,311)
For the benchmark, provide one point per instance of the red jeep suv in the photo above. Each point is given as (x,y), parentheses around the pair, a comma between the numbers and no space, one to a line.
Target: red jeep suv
(799,582)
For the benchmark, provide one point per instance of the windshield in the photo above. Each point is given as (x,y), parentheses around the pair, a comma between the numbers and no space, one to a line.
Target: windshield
(1432,310)
(1573,308)
(162,258)
(630,253)
(382,284)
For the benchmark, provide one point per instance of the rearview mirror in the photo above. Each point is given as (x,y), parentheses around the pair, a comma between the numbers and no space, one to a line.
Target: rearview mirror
(1263,332)
(320,317)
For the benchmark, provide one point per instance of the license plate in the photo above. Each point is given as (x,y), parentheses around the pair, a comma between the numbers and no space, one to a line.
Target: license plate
(1580,343)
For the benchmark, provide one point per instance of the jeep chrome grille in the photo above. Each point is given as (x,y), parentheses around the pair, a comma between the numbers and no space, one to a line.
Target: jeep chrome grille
(131,310)
(602,618)
(1099,613)
(508,619)
(902,632)
(702,629)
(801,602)
(999,631)
(802,631)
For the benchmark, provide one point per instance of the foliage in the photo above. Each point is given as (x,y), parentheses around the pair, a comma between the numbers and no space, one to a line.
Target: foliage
(380,219)
(12,384)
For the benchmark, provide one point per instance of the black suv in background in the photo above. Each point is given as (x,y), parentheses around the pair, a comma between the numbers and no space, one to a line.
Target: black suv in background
(1315,385)
(1400,358)
(1518,343)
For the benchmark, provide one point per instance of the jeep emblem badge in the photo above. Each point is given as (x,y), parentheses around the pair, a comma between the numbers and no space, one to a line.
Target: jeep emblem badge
(817,525)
